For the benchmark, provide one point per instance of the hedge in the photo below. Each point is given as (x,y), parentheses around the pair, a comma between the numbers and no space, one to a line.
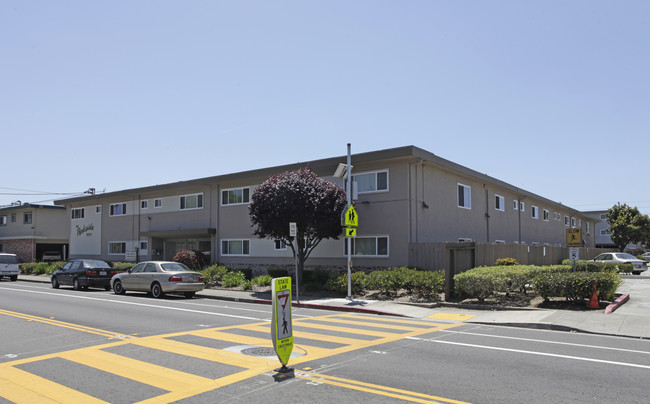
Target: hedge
(576,286)
(592,266)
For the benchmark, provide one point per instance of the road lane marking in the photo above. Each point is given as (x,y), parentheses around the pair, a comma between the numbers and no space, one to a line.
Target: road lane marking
(451,316)
(549,342)
(579,358)
(140,304)
(374,388)
(64,324)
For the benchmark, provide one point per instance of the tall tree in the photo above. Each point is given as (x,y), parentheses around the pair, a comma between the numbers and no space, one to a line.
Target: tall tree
(626,225)
(300,196)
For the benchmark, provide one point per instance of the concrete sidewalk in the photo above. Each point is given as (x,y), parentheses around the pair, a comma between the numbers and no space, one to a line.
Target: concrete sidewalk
(631,319)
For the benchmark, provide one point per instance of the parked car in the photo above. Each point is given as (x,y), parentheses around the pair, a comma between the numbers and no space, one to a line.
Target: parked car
(623,258)
(9,266)
(83,273)
(158,278)
(646,256)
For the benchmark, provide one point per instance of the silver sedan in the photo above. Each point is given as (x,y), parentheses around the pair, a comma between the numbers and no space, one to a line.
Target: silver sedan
(158,278)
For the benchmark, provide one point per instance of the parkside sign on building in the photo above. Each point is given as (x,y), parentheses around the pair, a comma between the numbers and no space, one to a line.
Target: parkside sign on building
(85,232)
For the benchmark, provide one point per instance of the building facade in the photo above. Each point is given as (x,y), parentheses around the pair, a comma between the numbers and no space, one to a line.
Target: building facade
(403,195)
(34,232)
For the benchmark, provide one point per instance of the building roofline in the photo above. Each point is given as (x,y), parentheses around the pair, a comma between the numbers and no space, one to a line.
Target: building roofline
(27,205)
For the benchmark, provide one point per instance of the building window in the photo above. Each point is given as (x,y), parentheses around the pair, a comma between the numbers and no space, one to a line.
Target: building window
(279,245)
(464,196)
(78,213)
(3,220)
(515,204)
(144,245)
(144,204)
(235,247)
(605,232)
(587,227)
(499,203)
(500,241)
(13,218)
(118,247)
(98,209)
(603,217)
(235,196)
(27,218)
(566,220)
(573,222)
(117,209)
(192,201)
(157,203)
(464,240)
(522,206)
(369,246)
(371,182)
(534,210)
(546,214)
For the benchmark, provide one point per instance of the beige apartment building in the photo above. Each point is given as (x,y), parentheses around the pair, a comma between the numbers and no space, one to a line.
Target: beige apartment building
(403,196)
(34,232)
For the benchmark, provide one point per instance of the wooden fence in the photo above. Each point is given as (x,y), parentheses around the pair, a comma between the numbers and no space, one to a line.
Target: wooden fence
(463,256)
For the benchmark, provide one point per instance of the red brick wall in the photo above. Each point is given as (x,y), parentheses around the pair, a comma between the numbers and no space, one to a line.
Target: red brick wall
(24,249)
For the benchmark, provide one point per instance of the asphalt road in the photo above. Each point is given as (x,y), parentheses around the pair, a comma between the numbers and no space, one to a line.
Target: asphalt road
(94,346)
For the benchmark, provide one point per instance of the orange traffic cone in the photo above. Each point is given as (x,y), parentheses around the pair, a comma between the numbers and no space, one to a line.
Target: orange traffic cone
(593,302)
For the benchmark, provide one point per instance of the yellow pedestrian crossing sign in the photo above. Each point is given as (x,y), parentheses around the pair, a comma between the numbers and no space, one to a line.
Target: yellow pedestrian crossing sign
(351,217)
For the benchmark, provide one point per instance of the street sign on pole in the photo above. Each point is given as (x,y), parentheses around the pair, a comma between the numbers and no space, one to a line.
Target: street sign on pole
(573,237)
(281,326)
(574,253)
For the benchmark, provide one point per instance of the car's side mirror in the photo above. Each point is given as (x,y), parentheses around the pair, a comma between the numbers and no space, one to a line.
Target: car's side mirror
(128,270)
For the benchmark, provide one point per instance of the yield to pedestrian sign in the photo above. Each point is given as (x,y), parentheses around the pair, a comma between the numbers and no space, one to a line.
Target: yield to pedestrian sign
(351,218)
(281,330)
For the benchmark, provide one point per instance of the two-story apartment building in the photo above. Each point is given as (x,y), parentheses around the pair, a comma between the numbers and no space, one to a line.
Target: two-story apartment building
(404,195)
(33,231)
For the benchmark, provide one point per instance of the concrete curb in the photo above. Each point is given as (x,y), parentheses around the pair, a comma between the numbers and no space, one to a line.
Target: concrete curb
(617,303)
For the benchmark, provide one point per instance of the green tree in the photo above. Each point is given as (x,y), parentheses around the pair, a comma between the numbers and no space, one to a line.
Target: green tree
(626,225)
(300,196)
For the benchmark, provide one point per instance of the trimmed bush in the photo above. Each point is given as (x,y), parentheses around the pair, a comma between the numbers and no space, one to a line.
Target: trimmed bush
(233,279)
(340,283)
(193,259)
(505,262)
(262,280)
(214,274)
(278,272)
(121,266)
(591,266)
(576,286)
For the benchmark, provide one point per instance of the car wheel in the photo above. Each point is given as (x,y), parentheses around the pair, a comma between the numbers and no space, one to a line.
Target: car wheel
(117,288)
(189,295)
(55,283)
(156,291)
(13,278)
(75,284)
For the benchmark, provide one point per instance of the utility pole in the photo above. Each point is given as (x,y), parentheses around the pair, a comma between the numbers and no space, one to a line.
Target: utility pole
(348,191)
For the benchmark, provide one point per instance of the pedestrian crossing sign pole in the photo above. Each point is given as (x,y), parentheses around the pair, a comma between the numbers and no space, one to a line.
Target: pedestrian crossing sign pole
(281,328)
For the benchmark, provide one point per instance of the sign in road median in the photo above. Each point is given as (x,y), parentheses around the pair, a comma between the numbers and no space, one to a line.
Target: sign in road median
(281,328)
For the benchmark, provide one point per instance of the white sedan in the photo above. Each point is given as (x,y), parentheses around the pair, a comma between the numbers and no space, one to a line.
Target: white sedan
(158,278)
(623,258)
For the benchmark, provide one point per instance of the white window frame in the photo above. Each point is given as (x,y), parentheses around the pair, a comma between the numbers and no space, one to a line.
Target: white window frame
(110,247)
(144,245)
(144,204)
(227,192)
(77,213)
(157,203)
(245,247)
(28,217)
(3,220)
(467,196)
(573,222)
(376,238)
(13,218)
(500,241)
(374,181)
(587,227)
(184,198)
(566,220)
(280,245)
(499,203)
(98,209)
(515,204)
(111,209)
(534,212)
(522,206)
(546,215)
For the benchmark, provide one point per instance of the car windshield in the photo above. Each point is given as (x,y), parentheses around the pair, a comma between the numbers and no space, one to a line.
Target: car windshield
(174,266)
(96,264)
(626,256)
(8,259)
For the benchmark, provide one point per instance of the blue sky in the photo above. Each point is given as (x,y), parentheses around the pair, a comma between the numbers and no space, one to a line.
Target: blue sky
(549,96)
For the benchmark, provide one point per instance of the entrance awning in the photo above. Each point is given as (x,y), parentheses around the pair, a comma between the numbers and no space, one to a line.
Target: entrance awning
(180,233)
